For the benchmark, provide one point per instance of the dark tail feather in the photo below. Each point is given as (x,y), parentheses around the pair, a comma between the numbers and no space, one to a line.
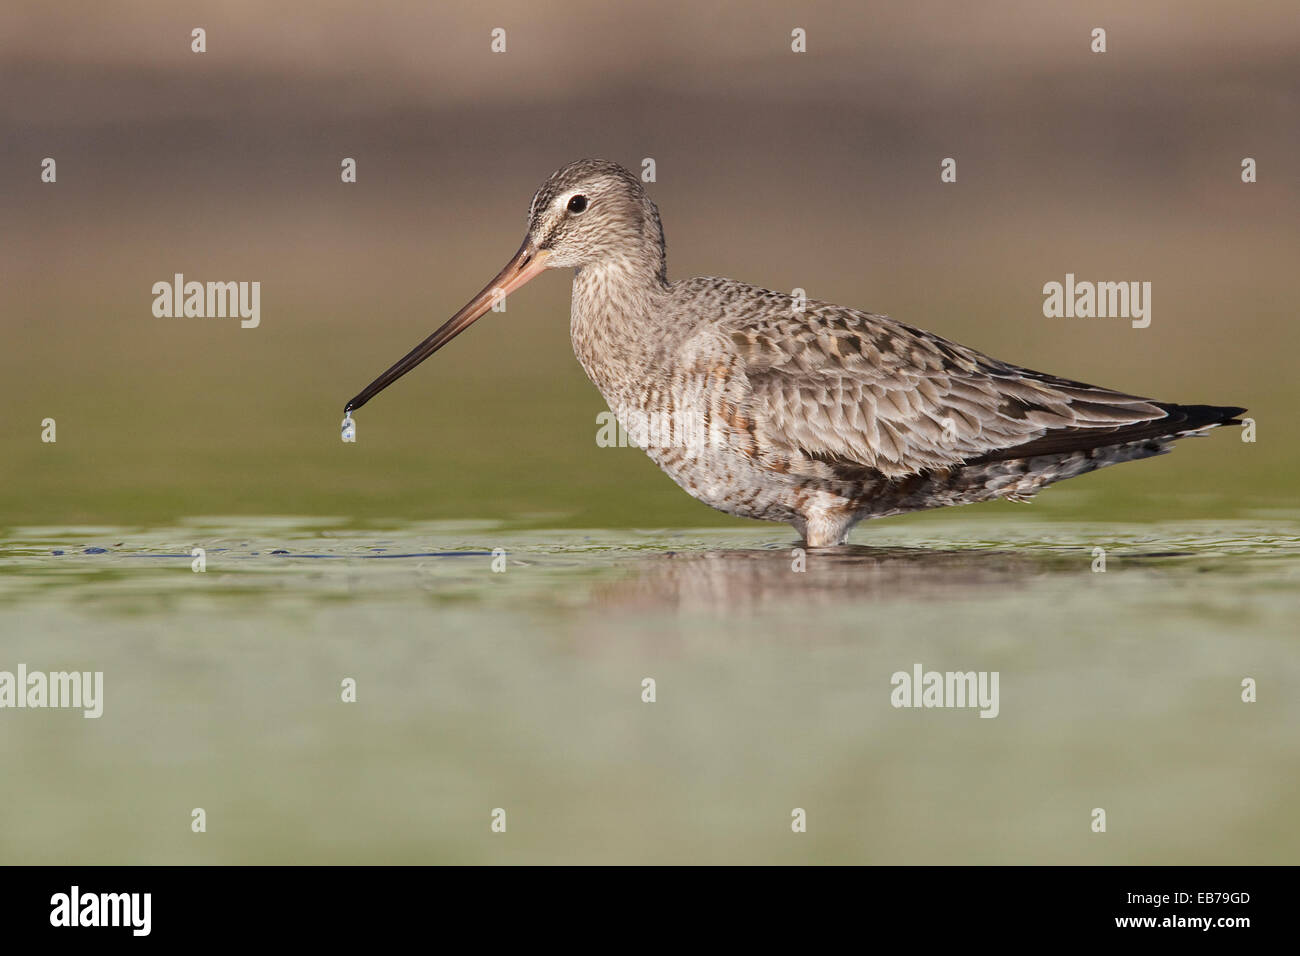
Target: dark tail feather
(1018,473)
(1202,416)
(1179,420)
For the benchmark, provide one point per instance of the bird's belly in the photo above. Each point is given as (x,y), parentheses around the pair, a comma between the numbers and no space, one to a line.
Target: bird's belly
(725,479)
(687,433)
(684,413)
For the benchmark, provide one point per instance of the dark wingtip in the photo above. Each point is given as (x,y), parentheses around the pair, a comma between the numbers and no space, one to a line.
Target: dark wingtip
(1179,420)
(1203,416)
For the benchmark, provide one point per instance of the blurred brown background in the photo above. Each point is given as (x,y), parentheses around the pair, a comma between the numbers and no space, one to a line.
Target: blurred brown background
(818,170)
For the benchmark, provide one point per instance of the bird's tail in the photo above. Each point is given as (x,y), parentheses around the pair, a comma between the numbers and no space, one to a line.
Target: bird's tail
(1179,422)
(1017,473)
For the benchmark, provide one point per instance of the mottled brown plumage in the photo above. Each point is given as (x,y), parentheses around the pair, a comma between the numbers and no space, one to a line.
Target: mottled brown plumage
(766,407)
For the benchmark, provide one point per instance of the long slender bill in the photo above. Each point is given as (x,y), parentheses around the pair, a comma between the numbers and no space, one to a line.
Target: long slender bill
(527,263)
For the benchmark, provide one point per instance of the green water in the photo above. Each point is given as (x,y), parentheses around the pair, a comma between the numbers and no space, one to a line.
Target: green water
(521,689)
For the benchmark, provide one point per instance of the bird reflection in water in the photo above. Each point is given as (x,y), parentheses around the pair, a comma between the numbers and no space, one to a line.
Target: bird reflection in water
(731,580)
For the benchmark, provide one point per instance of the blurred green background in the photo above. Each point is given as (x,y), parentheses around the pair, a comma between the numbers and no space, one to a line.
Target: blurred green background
(818,170)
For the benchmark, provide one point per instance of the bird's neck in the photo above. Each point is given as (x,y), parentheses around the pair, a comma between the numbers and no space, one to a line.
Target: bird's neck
(618,319)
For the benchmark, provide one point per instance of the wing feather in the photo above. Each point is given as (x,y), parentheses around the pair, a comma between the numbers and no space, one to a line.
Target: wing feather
(836,385)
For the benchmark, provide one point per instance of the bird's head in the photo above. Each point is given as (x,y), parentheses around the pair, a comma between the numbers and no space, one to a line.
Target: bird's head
(591,213)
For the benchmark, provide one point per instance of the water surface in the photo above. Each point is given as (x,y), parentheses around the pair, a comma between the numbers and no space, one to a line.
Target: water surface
(521,689)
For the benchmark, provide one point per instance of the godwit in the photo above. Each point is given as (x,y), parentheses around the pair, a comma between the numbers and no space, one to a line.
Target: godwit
(765,407)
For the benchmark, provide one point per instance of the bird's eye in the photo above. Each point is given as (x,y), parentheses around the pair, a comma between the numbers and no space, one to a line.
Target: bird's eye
(577,204)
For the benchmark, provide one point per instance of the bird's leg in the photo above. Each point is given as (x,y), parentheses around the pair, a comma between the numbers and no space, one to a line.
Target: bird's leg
(824,528)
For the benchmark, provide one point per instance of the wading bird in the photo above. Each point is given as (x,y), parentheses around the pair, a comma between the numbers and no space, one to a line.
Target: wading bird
(769,407)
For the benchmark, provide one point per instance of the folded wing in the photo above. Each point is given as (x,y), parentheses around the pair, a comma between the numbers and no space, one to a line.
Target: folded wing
(853,388)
